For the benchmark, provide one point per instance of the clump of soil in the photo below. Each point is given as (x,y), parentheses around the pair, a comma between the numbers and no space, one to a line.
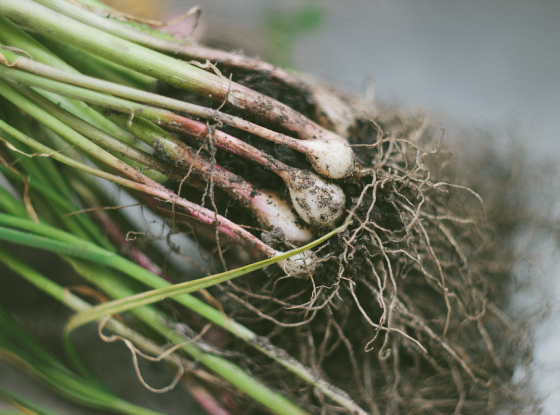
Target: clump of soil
(403,311)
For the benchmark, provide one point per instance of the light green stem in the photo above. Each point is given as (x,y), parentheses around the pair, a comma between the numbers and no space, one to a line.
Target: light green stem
(131,94)
(99,136)
(12,35)
(94,66)
(71,135)
(175,72)
(67,244)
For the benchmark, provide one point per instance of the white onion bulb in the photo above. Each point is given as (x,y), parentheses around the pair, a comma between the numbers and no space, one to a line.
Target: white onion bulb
(317,202)
(277,213)
(333,158)
(300,264)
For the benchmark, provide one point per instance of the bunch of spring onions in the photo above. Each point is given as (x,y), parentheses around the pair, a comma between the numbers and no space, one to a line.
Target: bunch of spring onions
(75,104)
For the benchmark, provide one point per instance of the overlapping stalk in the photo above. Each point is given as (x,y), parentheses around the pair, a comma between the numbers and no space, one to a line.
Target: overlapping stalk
(177,73)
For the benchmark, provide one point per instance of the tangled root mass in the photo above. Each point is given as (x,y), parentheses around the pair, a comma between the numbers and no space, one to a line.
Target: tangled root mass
(403,309)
